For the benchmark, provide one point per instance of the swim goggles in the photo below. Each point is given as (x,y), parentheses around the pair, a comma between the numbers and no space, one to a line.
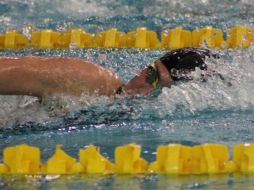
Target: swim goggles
(152,76)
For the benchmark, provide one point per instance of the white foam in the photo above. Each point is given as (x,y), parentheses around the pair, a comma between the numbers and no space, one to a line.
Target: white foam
(217,94)
(21,109)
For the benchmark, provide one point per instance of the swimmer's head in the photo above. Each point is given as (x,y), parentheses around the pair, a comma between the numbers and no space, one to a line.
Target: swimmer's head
(153,76)
(173,66)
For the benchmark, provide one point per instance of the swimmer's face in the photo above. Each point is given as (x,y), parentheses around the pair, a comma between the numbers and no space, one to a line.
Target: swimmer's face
(144,83)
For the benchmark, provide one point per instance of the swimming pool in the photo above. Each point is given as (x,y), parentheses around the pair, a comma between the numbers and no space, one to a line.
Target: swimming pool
(189,113)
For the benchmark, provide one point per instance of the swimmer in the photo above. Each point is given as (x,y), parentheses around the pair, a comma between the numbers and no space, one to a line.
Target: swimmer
(174,66)
(42,76)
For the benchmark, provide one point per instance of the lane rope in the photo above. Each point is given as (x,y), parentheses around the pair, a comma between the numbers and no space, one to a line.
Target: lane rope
(170,159)
(236,37)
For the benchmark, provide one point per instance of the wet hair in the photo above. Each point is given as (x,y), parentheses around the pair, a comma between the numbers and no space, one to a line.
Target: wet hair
(180,62)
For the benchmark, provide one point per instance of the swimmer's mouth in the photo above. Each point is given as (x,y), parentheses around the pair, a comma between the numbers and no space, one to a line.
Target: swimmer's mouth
(119,90)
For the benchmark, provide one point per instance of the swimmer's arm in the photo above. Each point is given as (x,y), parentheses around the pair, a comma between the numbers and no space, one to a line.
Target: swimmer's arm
(18,78)
(40,76)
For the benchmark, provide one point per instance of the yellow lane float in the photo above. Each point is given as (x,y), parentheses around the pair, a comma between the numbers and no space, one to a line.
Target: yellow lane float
(170,159)
(236,37)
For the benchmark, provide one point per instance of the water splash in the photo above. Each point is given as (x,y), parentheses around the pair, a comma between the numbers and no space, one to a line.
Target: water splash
(234,92)
(188,98)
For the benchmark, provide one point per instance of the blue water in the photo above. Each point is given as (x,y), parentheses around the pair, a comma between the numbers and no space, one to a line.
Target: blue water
(188,113)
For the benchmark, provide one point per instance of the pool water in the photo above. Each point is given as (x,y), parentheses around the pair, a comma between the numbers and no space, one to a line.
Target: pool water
(188,113)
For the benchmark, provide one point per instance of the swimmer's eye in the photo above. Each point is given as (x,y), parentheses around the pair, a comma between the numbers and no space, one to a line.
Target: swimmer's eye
(152,75)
